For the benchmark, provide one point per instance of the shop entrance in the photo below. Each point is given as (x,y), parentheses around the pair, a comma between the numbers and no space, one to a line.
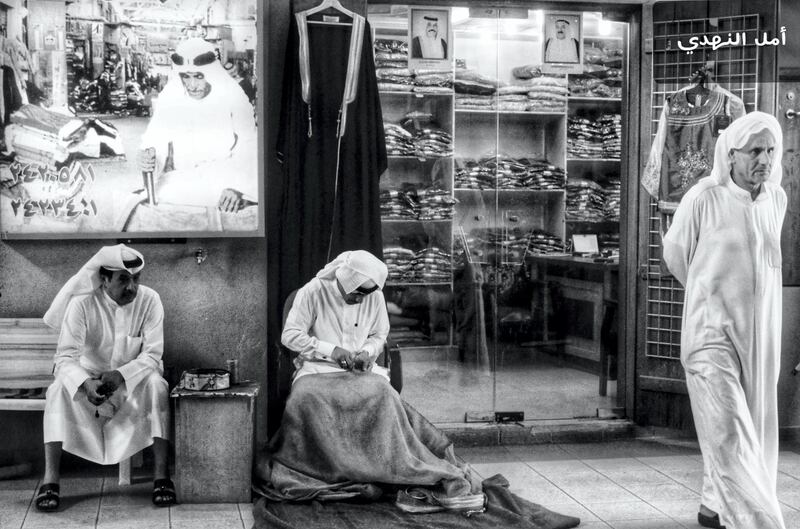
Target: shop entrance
(502,207)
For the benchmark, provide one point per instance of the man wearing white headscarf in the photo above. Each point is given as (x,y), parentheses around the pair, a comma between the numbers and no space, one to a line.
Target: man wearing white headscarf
(338,320)
(724,247)
(109,399)
(428,44)
(202,140)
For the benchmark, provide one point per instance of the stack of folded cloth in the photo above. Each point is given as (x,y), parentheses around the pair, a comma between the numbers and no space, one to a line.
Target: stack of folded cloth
(510,173)
(585,200)
(431,265)
(399,261)
(399,142)
(434,204)
(584,138)
(40,136)
(395,79)
(118,99)
(613,196)
(608,242)
(611,130)
(504,172)
(475,91)
(590,85)
(433,81)
(429,141)
(544,175)
(602,57)
(473,83)
(433,142)
(547,94)
(541,242)
(471,174)
(475,102)
(397,205)
(391,53)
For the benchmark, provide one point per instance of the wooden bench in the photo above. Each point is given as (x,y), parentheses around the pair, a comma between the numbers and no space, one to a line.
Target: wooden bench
(27,347)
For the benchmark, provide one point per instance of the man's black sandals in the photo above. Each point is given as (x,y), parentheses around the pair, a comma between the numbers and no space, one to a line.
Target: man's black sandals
(163,492)
(47,499)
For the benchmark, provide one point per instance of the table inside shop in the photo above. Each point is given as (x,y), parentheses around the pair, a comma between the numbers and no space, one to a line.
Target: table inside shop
(591,286)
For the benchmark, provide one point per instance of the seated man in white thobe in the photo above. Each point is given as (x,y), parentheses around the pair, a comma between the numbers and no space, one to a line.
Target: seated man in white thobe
(202,141)
(109,399)
(724,247)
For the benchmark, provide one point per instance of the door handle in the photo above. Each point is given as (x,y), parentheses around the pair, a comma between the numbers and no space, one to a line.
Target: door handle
(791,113)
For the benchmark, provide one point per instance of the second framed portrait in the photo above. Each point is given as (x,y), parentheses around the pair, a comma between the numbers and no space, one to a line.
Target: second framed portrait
(563,42)
(429,38)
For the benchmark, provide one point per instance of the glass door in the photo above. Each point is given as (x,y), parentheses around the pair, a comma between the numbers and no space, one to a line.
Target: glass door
(517,150)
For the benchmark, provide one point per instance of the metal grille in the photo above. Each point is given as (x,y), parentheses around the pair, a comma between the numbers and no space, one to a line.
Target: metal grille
(736,69)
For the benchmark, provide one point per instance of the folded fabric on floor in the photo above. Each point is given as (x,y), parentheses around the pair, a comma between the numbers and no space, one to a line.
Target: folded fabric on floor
(326,449)
(504,510)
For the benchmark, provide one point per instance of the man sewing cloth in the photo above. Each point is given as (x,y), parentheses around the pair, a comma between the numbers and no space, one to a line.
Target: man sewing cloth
(109,399)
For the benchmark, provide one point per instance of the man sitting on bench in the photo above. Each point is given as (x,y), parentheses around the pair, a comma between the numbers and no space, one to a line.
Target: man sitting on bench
(109,399)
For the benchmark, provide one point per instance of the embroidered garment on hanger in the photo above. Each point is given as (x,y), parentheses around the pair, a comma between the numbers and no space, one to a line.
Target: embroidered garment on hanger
(683,149)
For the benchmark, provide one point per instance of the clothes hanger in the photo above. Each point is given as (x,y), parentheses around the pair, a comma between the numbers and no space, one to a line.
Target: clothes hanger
(702,78)
(334,5)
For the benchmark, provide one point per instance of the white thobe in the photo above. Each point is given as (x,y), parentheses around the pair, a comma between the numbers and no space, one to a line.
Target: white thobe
(320,320)
(724,247)
(561,50)
(431,47)
(98,335)
(214,145)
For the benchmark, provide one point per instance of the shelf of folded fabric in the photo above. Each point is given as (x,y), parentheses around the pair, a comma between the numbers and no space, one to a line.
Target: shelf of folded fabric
(593,160)
(391,283)
(507,190)
(528,113)
(602,37)
(598,223)
(591,102)
(412,220)
(420,95)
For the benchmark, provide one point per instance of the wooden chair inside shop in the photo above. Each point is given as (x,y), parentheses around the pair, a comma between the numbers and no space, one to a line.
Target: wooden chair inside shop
(390,358)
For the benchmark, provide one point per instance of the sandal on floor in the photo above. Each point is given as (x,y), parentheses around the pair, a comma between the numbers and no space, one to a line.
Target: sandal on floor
(163,492)
(49,492)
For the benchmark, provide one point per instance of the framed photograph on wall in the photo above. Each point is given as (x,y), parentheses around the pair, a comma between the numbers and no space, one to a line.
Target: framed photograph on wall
(562,48)
(146,127)
(429,39)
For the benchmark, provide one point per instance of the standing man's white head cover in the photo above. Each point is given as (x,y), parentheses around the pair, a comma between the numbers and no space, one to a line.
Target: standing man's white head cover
(737,135)
(118,257)
(354,268)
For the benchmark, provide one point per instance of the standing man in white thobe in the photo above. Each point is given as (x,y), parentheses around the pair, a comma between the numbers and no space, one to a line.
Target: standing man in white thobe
(109,399)
(724,247)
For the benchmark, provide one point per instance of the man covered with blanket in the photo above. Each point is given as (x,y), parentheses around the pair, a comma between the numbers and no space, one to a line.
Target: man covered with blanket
(346,433)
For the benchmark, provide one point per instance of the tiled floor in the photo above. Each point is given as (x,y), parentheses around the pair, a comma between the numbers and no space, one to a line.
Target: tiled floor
(622,485)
